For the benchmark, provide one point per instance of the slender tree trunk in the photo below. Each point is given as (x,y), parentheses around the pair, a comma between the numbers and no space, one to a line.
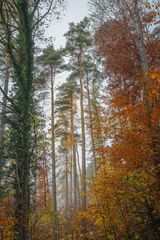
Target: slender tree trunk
(66,193)
(46,176)
(142,51)
(66,170)
(84,202)
(84,199)
(79,167)
(2,120)
(79,178)
(54,187)
(91,130)
(74,156)
(97,116)
(44,183)
(66,178)
(71,179)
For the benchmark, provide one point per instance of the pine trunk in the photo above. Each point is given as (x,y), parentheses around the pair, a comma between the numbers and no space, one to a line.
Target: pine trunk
(2,121)
(66,178)
(74,156)
(54,190)
(84,202)
(91,130)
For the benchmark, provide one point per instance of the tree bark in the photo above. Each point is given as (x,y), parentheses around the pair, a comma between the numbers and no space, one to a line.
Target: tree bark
(2,120)
(71,179)
(66,195)
(84,202)
(74,156)
(84,198)
(79,177)
(54,187)
(142,51)
(91,130)
(24,80)
(97,119)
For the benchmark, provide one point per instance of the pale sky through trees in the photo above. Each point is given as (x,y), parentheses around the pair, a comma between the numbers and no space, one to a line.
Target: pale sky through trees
(75,11)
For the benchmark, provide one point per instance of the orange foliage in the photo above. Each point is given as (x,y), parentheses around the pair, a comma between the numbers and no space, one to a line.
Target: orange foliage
(125,195)
(7,221)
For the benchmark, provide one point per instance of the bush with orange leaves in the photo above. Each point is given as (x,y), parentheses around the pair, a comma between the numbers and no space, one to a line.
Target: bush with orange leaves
(124,205)
(7,221)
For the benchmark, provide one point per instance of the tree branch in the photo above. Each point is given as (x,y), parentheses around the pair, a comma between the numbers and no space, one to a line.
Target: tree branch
(44,15)
(13,110)
(9,99)
(35,7)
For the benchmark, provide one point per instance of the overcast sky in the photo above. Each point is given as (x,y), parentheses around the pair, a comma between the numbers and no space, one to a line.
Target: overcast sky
(75,11)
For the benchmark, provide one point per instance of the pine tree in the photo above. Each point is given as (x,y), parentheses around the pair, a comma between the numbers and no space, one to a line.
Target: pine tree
(78,40)
(52,59)
(66,103)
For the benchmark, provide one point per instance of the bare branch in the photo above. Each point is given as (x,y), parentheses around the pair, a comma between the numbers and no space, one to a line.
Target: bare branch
(12,109)
(44,15)
(9,99)
(35,8)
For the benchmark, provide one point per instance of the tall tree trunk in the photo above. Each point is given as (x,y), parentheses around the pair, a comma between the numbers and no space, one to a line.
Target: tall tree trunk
(84,202)
(78,162)
(74,156)
(97,119)
(44,182)
(22,193)
(71,178)
(54,187)
(66,182)
(2,120)
(46,176)
(91,130)
(66,178)
(84,199)
(142,52)
(24,91)
(79,177)
(66,192)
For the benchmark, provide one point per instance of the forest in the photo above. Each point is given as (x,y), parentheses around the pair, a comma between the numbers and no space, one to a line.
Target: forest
(80,157)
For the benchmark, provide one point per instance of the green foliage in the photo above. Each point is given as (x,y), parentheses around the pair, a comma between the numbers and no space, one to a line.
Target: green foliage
(78,36)
(51,57)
